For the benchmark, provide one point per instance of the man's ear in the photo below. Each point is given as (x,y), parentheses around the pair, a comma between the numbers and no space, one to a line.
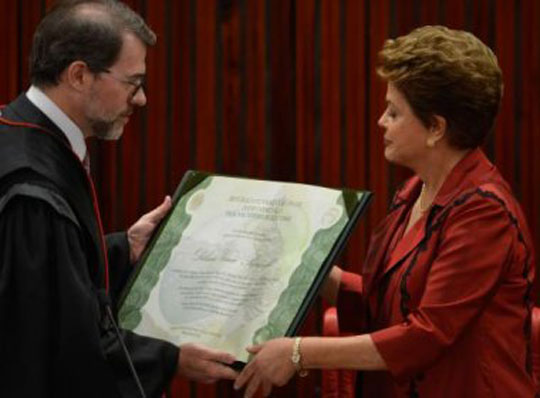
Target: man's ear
(77,76)
(437,130)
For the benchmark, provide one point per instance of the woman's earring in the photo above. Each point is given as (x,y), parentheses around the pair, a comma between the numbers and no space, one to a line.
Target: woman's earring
(430,143)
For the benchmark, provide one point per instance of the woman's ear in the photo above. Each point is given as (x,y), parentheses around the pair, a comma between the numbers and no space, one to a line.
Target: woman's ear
(437,131)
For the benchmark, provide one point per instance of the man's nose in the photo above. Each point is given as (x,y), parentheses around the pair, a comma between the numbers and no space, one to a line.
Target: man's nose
(139,99)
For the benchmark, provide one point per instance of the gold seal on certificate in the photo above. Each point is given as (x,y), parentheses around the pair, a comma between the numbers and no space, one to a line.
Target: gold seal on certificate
(238,261)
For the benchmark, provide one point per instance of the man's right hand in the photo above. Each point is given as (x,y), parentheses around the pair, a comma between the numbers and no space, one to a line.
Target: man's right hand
(205,365)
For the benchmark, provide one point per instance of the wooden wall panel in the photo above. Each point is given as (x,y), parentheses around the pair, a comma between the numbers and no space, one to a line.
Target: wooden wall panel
(530,127)
(9,51)
(280,129)
(356,80)
(331,45)
(255,86)
(305,90)
(230,100)
(505,133)
(377,27)
(455,13)
(158,83)
(205,91)
(182,104)
(286,89)
(479,24)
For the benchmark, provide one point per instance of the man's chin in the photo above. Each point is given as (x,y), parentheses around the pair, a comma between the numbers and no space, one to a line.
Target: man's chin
(114,134)
(109,133)
(117,129)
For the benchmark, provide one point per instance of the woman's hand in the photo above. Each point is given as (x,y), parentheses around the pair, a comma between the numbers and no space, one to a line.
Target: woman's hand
(271,366)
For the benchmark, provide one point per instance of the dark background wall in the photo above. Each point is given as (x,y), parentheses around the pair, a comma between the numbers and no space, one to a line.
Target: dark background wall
(286,90)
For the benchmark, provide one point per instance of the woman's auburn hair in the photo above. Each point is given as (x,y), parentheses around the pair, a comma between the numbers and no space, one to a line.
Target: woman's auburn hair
(449,73)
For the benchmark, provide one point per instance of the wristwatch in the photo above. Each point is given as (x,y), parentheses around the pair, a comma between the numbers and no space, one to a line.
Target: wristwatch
(296,358)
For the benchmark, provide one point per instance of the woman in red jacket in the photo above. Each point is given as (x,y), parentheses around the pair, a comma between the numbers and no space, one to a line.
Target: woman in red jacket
(443,306)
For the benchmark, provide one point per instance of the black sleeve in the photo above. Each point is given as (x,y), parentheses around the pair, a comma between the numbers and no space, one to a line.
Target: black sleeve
(155,360)
(52,344)
(119,266)
(49,316)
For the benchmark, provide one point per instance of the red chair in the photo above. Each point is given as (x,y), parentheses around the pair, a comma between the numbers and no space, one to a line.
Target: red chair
(336,383)
(341,383)
(535,341)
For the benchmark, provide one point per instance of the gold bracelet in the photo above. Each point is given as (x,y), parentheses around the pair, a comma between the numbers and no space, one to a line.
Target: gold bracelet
(296,358)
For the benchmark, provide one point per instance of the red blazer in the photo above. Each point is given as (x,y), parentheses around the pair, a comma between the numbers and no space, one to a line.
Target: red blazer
(448,306)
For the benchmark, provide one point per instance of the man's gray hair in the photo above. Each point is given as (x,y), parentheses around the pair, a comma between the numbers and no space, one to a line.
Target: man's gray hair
(83,30)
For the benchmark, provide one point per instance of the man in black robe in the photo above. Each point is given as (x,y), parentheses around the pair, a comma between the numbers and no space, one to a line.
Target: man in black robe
(57,273)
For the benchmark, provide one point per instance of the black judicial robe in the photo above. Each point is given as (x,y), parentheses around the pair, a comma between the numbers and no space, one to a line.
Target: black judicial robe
(54,340)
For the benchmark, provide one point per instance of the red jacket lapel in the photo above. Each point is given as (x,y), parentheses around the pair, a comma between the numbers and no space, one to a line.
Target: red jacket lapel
(378,262)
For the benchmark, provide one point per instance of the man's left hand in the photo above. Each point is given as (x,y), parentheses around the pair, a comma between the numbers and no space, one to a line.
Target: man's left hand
(205,365)
(139,233)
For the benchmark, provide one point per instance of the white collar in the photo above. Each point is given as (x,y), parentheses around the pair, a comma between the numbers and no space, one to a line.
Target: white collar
(58,117)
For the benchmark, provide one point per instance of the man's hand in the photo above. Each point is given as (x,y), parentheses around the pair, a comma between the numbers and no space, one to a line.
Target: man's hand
(204,365)
(271,365)
(139,233)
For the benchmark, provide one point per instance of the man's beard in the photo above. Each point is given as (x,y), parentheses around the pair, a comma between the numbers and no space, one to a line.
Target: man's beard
(107,129)
(104,124)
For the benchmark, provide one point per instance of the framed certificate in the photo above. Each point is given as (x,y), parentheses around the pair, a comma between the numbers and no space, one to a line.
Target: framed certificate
(238,261)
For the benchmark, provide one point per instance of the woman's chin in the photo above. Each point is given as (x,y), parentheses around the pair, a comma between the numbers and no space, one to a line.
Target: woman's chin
(389,155)
(392,157)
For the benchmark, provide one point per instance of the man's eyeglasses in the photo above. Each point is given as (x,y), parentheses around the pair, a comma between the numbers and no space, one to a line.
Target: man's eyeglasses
(137,83)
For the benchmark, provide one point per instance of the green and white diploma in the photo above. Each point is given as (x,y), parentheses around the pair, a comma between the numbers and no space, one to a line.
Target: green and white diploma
(238,261)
